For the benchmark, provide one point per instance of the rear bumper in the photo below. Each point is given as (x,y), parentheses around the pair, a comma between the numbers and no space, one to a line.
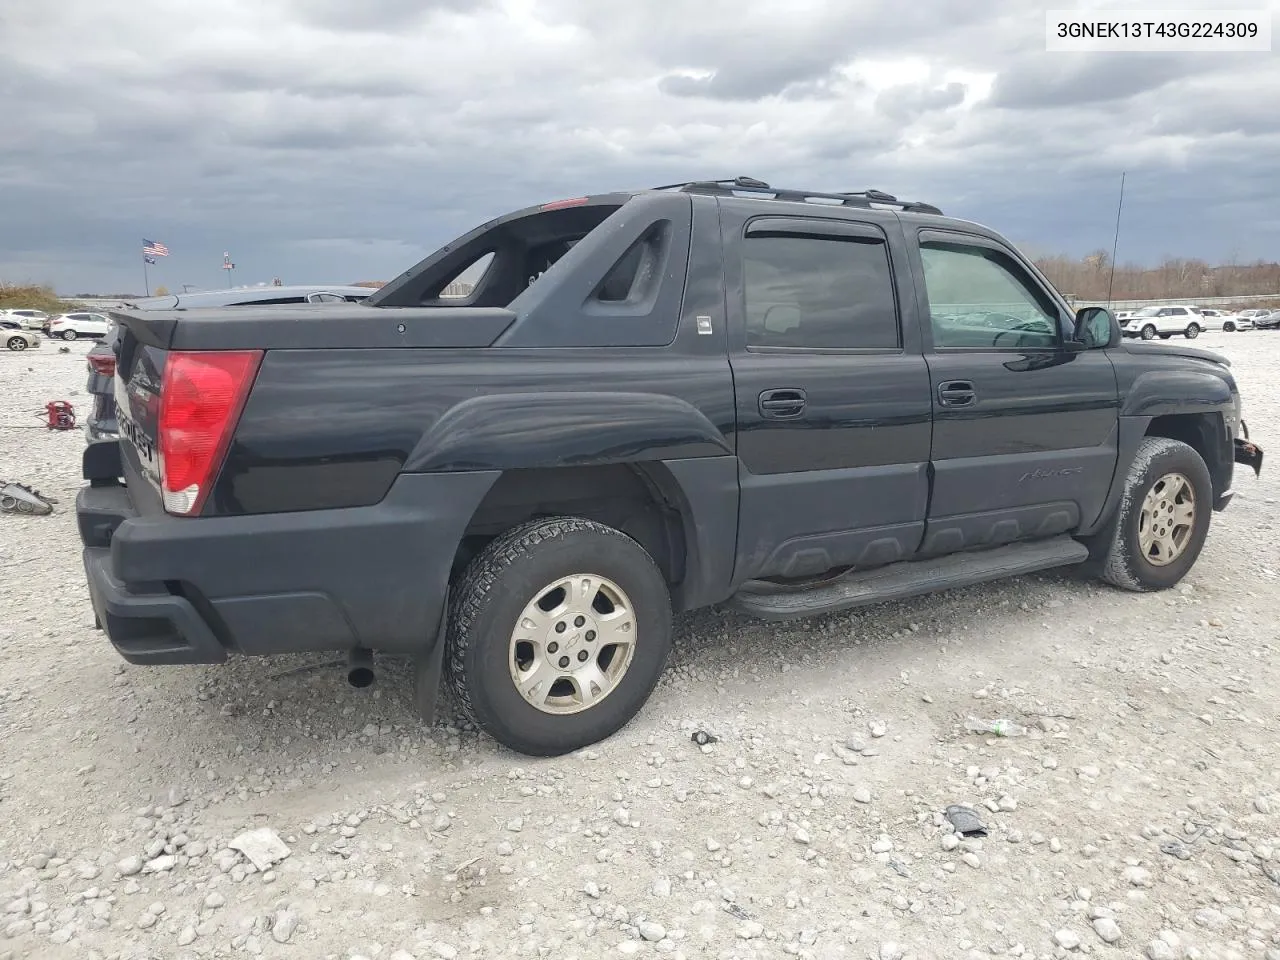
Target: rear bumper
(175,590)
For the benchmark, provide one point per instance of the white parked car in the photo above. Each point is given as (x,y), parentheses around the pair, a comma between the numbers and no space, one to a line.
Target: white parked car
(1224,320)
(1151,322)
(30,319)
(1251,315)
(71,326)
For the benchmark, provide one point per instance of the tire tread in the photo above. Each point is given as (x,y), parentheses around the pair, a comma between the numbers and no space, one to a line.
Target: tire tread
(484,575)
(1117,567)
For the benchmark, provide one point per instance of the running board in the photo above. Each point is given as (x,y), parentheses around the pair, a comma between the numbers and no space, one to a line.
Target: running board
(910,578)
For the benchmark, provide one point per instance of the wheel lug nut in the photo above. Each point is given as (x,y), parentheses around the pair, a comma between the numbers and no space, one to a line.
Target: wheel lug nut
(564,662)
(552,647)
(579,621)
(582,656)
(591,634)
(561,627)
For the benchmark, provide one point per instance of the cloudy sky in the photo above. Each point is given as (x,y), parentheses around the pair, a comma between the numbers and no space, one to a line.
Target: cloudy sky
(339,140)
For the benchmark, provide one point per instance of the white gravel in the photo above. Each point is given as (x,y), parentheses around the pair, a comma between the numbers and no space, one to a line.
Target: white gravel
(812,828)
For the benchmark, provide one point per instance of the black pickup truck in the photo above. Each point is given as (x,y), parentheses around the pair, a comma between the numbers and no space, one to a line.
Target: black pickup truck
(791,401)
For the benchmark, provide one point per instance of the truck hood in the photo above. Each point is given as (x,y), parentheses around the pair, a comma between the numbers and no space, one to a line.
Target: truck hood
(1152,348)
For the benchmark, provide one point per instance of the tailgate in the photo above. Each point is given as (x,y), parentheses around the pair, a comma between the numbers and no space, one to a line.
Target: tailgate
(136,387)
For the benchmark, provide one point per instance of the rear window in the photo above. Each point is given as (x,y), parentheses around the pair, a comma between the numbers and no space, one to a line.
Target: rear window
(492,266)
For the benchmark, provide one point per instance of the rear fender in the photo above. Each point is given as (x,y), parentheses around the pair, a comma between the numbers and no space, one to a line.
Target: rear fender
(518,430)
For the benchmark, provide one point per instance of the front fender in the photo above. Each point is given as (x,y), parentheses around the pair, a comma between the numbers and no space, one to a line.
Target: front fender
(524,430)
(1157,393)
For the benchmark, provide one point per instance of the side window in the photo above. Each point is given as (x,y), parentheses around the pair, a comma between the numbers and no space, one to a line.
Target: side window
(636,273)
(468,278)
(981,299)
(819,293)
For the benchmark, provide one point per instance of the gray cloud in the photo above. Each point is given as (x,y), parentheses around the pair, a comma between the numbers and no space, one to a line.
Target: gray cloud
(1068,80)
(324,140)
(374,16)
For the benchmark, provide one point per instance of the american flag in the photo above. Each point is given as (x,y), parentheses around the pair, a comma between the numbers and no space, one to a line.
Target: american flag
(152,249)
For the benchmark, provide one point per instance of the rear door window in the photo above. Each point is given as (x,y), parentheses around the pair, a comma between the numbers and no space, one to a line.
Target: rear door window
(819,292)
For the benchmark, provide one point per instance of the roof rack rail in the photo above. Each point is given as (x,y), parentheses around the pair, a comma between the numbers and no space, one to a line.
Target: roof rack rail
(750,185)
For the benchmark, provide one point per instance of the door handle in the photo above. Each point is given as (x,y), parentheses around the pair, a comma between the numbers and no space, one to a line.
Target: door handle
(782,403)
(956,393)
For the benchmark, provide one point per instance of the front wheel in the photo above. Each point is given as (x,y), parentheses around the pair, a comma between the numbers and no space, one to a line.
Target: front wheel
(1148,332)
(1228,327)
(1193,331)
(559,632)
(68,334)
(17,343)
(1163,518)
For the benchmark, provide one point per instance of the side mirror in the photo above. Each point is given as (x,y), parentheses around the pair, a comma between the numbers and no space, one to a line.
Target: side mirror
(1093,328)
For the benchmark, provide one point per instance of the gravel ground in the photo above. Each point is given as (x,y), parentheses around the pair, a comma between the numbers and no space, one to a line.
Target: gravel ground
(1139,816)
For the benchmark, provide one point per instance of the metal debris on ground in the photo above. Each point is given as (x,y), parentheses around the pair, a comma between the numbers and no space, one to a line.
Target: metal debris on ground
(20,498)
(965,821)
(702,738)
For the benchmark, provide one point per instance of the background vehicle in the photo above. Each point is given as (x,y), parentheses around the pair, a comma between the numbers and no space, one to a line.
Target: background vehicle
(101,360)
(792,401)
(1267,320)
(73,326)
(1151,322)
(28,319)
(15,337)
(1213,319)
(256,297)
(1251,315)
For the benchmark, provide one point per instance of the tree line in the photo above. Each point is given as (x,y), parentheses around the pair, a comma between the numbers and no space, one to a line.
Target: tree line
(1090,278)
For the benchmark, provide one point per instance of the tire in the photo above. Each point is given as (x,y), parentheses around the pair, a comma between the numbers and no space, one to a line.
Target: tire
(68,334)
(484,653)
(16,343)
(1124,562)
(1228,327)
(1148,332)
(1192,331)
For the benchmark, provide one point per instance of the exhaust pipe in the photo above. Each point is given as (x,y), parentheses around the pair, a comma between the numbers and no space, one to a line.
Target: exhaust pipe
(360,667)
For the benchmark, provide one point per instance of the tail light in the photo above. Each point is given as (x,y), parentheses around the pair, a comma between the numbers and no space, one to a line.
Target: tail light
(201,397)
(103,364)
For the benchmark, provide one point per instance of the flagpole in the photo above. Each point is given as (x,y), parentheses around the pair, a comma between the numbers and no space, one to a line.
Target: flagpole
(146,279)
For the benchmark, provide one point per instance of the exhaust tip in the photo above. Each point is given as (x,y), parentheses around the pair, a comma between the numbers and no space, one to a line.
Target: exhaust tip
(360,668)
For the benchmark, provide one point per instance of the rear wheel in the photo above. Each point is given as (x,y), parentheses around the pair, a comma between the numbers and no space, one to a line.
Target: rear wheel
(1193,331)
(17,343)
(1148,332)
(68,334)
(559,632)
(1163,518)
